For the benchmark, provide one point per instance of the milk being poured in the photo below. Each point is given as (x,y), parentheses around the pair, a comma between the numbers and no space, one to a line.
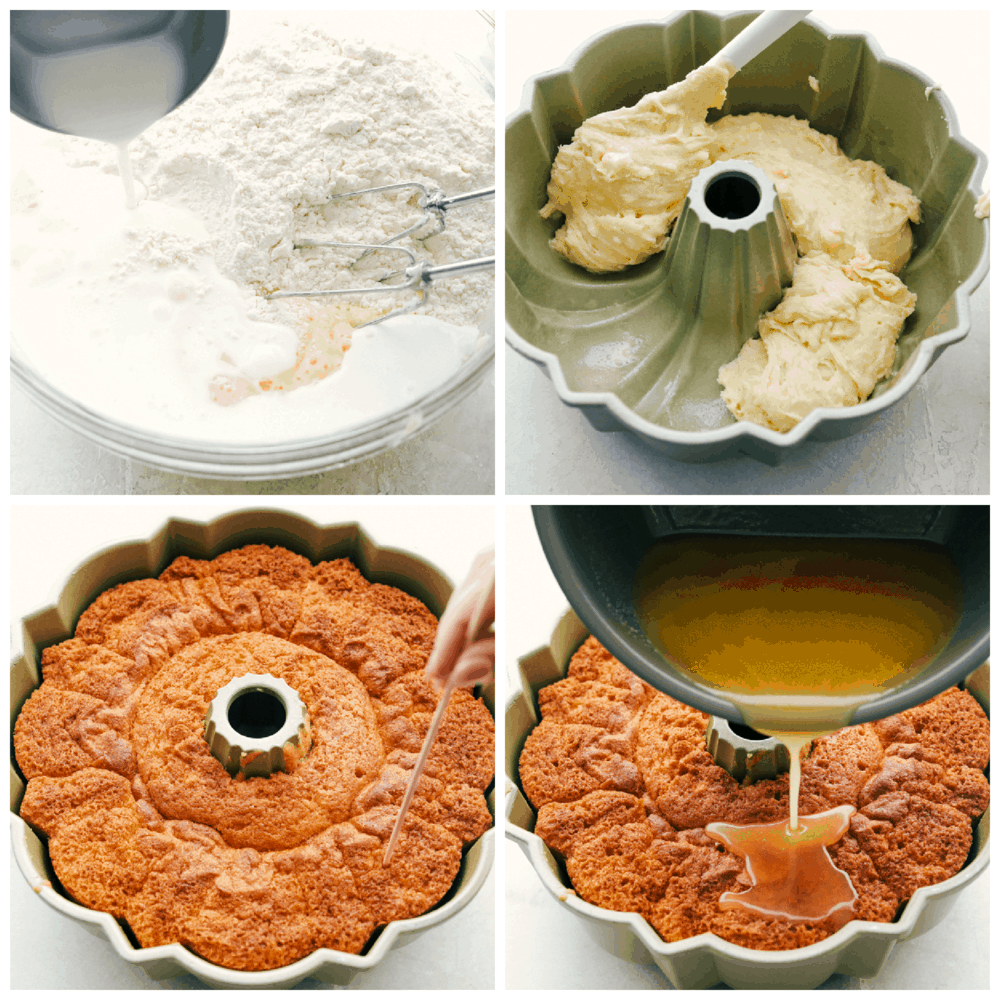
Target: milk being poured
(108,92)
(111,92)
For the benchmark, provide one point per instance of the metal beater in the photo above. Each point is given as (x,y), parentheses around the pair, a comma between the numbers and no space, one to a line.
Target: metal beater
(417,275)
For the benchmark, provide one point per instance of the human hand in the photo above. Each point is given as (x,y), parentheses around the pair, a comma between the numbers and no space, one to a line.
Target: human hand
(463,654)
(465,648)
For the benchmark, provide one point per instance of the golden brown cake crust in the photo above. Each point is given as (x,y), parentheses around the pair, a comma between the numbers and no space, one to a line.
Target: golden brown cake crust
(624,785)
(144,823)
(185,781)
(952,726)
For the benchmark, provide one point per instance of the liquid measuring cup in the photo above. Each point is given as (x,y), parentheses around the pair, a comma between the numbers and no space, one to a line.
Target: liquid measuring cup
(595,551)
(109,74)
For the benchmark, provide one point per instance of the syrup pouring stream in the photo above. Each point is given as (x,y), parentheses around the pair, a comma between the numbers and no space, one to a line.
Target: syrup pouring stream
(798,632)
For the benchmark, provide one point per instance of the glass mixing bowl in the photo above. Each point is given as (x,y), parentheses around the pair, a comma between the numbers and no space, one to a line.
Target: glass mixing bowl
(462,43)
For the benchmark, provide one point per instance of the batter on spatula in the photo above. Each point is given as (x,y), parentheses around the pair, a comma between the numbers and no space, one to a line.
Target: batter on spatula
(621,185)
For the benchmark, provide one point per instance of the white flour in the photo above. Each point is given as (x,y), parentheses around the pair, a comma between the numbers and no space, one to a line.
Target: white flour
(140,319)
(258,151)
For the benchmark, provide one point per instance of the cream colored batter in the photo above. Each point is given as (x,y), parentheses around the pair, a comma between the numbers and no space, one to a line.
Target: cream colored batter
(833,204)
(827,343)
(622,181)
(621,184)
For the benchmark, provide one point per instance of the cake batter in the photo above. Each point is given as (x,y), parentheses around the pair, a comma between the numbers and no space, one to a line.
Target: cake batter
(621,185)
(827,343)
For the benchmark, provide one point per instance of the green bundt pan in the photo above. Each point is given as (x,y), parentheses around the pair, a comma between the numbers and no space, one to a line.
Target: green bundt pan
(601,337)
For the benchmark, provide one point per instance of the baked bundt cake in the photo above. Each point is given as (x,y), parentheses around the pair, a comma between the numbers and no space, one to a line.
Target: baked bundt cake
(143,822)
(624,785)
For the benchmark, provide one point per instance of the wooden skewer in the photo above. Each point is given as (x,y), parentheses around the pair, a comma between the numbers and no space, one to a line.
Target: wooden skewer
(479,621)
(418,769)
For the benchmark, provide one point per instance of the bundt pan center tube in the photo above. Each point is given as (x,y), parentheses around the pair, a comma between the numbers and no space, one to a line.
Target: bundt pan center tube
(743,752)
(859,949)
(640,349)
(730,256)
(257,726)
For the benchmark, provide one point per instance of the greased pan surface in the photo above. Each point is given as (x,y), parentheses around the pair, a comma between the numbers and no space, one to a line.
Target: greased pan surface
(878,110)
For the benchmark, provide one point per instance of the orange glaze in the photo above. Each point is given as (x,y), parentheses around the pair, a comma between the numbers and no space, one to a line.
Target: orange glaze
(792,874)
(798,632)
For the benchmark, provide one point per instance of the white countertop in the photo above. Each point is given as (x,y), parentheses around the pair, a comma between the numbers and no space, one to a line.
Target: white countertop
(545,944)
(49,951)
(935,441)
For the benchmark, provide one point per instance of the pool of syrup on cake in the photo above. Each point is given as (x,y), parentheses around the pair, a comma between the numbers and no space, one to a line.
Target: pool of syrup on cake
(799,633)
